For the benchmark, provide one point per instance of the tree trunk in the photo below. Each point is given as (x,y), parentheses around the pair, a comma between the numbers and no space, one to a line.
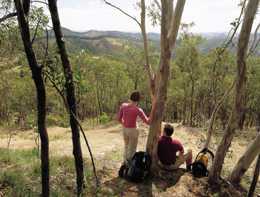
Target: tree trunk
(41,93)
(168,38)
(70,89)
(191,103)
(240,92)
(149,71)
(255,178)
(214,113)
(245,161)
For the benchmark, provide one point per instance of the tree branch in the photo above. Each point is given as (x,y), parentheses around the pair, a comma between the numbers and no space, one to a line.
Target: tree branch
(40,2)
(123,12)
(173,32)
(8,16)
(35,33)
(71,112)
(158,5)
(252,47)
(223,48)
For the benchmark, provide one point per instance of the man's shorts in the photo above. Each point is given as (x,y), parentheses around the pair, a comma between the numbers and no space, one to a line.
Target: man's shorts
(180,159)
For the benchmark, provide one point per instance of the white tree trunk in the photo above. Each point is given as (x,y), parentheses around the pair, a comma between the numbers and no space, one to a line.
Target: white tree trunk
(245,161)
(168,37)
(240,91)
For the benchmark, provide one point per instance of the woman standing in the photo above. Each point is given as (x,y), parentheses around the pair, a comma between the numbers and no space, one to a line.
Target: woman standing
(128,115)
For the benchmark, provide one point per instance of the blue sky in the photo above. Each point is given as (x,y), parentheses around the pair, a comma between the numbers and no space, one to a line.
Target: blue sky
(85,15)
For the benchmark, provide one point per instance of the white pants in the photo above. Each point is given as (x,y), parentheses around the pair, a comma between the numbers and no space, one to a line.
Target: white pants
(130,136)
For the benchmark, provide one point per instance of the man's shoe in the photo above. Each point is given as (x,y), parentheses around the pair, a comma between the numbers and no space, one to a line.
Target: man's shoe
(121,171)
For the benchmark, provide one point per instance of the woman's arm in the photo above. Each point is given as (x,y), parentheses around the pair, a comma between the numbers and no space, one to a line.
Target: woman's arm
(120,116)
(150,119)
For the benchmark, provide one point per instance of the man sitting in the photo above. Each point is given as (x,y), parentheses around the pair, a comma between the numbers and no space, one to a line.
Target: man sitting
(167,149)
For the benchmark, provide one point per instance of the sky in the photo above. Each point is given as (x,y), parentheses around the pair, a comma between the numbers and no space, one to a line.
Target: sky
(85,15)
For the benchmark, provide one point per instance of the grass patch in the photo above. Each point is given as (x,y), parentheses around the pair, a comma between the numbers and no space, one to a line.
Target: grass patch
(20,175)
(118,155)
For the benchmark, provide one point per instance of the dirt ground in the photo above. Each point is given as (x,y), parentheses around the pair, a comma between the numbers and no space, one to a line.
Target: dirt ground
(107,141)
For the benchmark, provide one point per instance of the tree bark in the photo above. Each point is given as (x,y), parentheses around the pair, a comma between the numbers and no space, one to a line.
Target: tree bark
(70,89)
(240,92)
(245,161)
(148,69)
(41,95)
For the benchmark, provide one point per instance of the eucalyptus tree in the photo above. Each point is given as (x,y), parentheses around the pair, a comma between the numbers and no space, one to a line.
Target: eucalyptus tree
(159,81)
(240,91)
(253,101)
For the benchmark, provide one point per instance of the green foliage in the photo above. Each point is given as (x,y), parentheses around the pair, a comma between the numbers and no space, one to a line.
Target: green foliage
(230,154)
(105,118)
(53,120)
(104,82)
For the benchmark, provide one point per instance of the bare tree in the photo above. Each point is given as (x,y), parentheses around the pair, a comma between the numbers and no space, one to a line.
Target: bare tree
(70,90)
(23,14)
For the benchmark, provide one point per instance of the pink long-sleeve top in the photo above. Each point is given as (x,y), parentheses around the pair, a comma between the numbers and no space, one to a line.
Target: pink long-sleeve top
(129,114)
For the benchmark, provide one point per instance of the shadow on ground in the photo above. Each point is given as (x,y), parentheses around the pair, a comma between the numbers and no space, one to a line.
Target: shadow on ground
(154,185)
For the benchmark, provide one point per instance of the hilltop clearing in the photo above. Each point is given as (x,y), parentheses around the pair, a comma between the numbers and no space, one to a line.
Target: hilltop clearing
(107,146)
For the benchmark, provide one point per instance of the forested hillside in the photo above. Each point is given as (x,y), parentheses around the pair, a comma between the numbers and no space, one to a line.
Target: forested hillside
(107,68)
(213,40)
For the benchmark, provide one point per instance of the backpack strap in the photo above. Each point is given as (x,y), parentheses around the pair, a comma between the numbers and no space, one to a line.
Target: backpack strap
(148,159)
(205,150)
(212,155)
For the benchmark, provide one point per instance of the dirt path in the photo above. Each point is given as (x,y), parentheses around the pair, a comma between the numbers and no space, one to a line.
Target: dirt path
(108,141)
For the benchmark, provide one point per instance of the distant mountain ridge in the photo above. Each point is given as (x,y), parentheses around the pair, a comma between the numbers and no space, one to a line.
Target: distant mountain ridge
(131,35)
(213,39)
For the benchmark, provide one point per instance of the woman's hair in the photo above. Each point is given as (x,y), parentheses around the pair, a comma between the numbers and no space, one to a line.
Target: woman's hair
(168,129)
(135,96)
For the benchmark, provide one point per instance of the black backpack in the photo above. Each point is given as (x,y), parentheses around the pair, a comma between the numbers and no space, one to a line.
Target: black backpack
(139,168)
(199,166)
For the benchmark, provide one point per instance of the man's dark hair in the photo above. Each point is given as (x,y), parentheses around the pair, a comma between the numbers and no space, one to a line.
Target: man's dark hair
(135,96)
(168,129)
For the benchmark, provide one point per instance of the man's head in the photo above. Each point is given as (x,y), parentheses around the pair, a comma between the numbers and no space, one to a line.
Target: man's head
(135,96)
(168,129)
